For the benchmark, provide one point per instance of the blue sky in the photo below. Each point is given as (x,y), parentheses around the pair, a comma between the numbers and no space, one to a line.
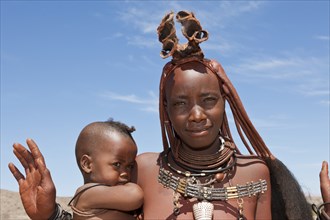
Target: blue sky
(65,64)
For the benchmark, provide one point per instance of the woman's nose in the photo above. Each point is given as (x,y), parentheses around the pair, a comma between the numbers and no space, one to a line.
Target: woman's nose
(197,114)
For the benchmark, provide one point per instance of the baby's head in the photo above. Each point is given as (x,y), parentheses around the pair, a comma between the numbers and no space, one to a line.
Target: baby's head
(106,152)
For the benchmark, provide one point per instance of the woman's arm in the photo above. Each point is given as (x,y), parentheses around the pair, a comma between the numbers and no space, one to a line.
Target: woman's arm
(264,200)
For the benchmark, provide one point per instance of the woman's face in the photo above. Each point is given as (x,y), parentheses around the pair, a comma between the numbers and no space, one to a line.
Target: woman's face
(194,105)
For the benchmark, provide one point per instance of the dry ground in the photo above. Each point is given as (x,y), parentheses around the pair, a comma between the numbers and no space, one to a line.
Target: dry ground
(11,207)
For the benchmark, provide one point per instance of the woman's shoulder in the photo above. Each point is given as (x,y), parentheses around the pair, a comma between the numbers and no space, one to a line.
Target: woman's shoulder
(148,155)
(249,159)
(249,169)
(252,163)
(147,158)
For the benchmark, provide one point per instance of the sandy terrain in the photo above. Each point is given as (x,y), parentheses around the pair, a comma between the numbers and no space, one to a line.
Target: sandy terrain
(12,209)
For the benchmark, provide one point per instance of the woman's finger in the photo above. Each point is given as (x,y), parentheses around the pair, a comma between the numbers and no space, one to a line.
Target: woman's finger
(21,159)
(26,155)
(36,154)
(16,173)
(325,182)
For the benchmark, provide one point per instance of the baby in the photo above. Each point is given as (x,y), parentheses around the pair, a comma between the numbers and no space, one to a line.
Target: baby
(105,154)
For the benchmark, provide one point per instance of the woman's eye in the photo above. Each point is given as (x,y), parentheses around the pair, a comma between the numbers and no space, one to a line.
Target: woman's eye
(179,103)
(210,100)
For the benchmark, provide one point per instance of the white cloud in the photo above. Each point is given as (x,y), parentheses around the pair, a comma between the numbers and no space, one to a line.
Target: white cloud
(141,41)
(284,149)
(314,86)
(231,9)
(276,68)
(308,76)
(322,37)
(97,14)
(114,36)
(140,19)
(311,92)
(325,102)
(151,101)
(221,46)
(291,67)
(145,20)
(273,121)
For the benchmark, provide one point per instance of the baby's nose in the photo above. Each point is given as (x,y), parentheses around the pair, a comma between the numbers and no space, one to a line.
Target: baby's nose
(124,176)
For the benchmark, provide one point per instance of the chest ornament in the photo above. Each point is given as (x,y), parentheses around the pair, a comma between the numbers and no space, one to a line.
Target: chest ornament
(188,185)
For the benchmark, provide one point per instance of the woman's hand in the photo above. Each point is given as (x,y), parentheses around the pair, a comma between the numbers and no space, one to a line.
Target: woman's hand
(36,189)
(325,186)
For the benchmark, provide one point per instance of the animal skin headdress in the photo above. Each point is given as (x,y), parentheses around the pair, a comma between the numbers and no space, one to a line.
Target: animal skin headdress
(288,199)
(191,52)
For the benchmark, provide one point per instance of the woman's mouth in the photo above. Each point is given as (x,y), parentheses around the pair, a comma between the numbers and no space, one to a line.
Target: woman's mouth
(198,132)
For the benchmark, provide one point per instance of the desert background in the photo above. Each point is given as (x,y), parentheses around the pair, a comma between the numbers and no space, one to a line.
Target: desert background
(12,208)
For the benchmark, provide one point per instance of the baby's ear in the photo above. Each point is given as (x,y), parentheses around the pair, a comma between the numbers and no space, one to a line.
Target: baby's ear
(86,163)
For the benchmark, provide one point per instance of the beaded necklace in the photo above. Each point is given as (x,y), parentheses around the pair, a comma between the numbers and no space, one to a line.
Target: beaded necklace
(189,186)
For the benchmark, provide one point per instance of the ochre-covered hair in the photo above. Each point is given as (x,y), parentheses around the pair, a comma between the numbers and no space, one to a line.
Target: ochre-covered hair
(254,143)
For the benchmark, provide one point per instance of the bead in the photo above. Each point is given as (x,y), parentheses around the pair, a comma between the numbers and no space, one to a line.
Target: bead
(176,211)
(219,177)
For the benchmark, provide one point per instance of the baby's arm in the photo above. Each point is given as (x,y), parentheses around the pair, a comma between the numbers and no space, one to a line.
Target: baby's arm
(126,197)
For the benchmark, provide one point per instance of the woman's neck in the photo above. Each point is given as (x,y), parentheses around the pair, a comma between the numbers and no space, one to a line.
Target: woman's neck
(213,157)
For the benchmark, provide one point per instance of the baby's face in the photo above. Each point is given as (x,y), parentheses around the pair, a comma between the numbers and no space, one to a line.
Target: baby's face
(114,163)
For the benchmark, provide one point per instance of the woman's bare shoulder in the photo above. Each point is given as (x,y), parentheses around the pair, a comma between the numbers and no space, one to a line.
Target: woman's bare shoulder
(252,162)
(147,158)
(249,159)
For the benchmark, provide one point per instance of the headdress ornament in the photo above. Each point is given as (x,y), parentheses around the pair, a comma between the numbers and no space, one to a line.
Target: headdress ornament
(191,29)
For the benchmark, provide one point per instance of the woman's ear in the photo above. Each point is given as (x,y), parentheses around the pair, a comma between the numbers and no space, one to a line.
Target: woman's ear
(86,163)
(165,104)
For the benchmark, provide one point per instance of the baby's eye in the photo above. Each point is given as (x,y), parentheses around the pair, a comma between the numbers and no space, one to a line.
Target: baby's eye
(116,164)
(130,167)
